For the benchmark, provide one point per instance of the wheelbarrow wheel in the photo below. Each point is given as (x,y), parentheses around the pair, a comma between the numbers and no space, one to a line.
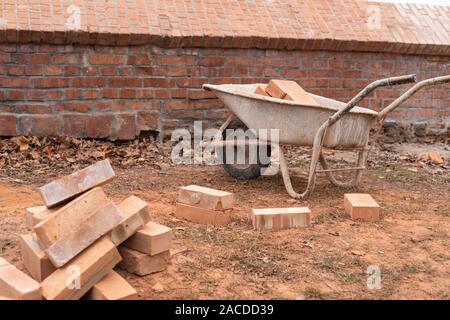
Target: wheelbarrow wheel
(249,170)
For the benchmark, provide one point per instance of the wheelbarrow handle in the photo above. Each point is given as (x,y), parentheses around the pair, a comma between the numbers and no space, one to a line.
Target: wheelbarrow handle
(410,92)
(367,90)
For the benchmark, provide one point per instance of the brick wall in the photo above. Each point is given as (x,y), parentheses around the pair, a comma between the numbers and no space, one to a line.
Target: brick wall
(119,92)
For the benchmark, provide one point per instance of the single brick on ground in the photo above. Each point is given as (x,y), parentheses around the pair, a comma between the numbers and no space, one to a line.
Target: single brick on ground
(76,278)
(361,206)
(142,264)
(70,216)
(136,215)
(76,183)
(280,218)
(99,223)
(17,285)
(34,258)
(202,215)
(112,287)
(205,197)
(35,215)
(152,239)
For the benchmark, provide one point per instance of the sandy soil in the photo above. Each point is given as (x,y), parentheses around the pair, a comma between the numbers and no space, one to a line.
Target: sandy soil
(329,260)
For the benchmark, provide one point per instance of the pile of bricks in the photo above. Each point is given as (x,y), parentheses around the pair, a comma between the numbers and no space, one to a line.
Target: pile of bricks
(204,205)
(287,90)
(79,236)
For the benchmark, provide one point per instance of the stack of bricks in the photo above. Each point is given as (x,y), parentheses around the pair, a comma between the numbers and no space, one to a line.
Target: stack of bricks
(77,238)
(204,205)
(287,90)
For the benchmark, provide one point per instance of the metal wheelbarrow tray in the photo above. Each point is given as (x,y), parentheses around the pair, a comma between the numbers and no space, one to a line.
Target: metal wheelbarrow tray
(333,124)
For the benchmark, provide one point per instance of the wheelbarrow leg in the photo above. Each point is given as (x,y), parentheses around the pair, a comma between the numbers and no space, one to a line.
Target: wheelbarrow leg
(362,159)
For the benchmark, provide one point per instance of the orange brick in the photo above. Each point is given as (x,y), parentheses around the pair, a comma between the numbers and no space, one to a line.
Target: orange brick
(152,239)
(34,258)
(112,287)
(136,215)
(92,265)
(99,223)
(262,90)
(279,88)
(142,264)
(17,285)
(302,98)
(202,215)
(361,206)
(37,214)
(76,183)
(70,216)
(280,218)
(205,197)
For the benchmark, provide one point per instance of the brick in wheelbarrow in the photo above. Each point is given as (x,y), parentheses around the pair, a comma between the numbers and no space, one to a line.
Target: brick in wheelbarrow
(203,215)
(34,258)
(261,89)
(98,224)
(142,264)
(112,287)
(76,278)
(136,215)
(207,198)
(70,186)
(70,216)
(361,206)
(280,218)
(35,215)
(289,90)
(15,284)
(152,239)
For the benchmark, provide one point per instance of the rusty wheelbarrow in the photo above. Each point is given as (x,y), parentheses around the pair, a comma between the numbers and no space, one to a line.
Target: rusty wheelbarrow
(333,125)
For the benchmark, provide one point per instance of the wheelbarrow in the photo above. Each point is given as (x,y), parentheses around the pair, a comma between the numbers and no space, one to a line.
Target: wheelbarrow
(332,124)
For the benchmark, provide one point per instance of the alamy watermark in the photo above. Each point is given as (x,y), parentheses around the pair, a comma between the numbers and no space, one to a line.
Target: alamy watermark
(233,146)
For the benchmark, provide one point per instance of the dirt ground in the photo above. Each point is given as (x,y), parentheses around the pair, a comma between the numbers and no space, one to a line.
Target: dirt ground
(329,260)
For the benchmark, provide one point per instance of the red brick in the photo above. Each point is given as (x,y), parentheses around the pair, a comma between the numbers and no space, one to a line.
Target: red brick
(205,197)
(106,59)
(34,259)
(136,215)
(51,82)
(361,207)
(74,125)
(99,125)
(100,222)
(76,183)
(7,125)
(124,127)
(39,125)
(151,239)
(17,285)
(94,264)
(202,215)
(147,120)
(35,215)
(142,264)
(280,218)
(112,287)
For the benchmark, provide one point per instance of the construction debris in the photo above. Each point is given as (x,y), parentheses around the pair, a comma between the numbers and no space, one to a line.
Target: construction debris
(433,156)
(280,218)
(74,247)
(361,206)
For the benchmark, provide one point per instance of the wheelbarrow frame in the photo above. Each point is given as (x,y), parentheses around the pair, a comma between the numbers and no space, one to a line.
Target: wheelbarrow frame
(318,145)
